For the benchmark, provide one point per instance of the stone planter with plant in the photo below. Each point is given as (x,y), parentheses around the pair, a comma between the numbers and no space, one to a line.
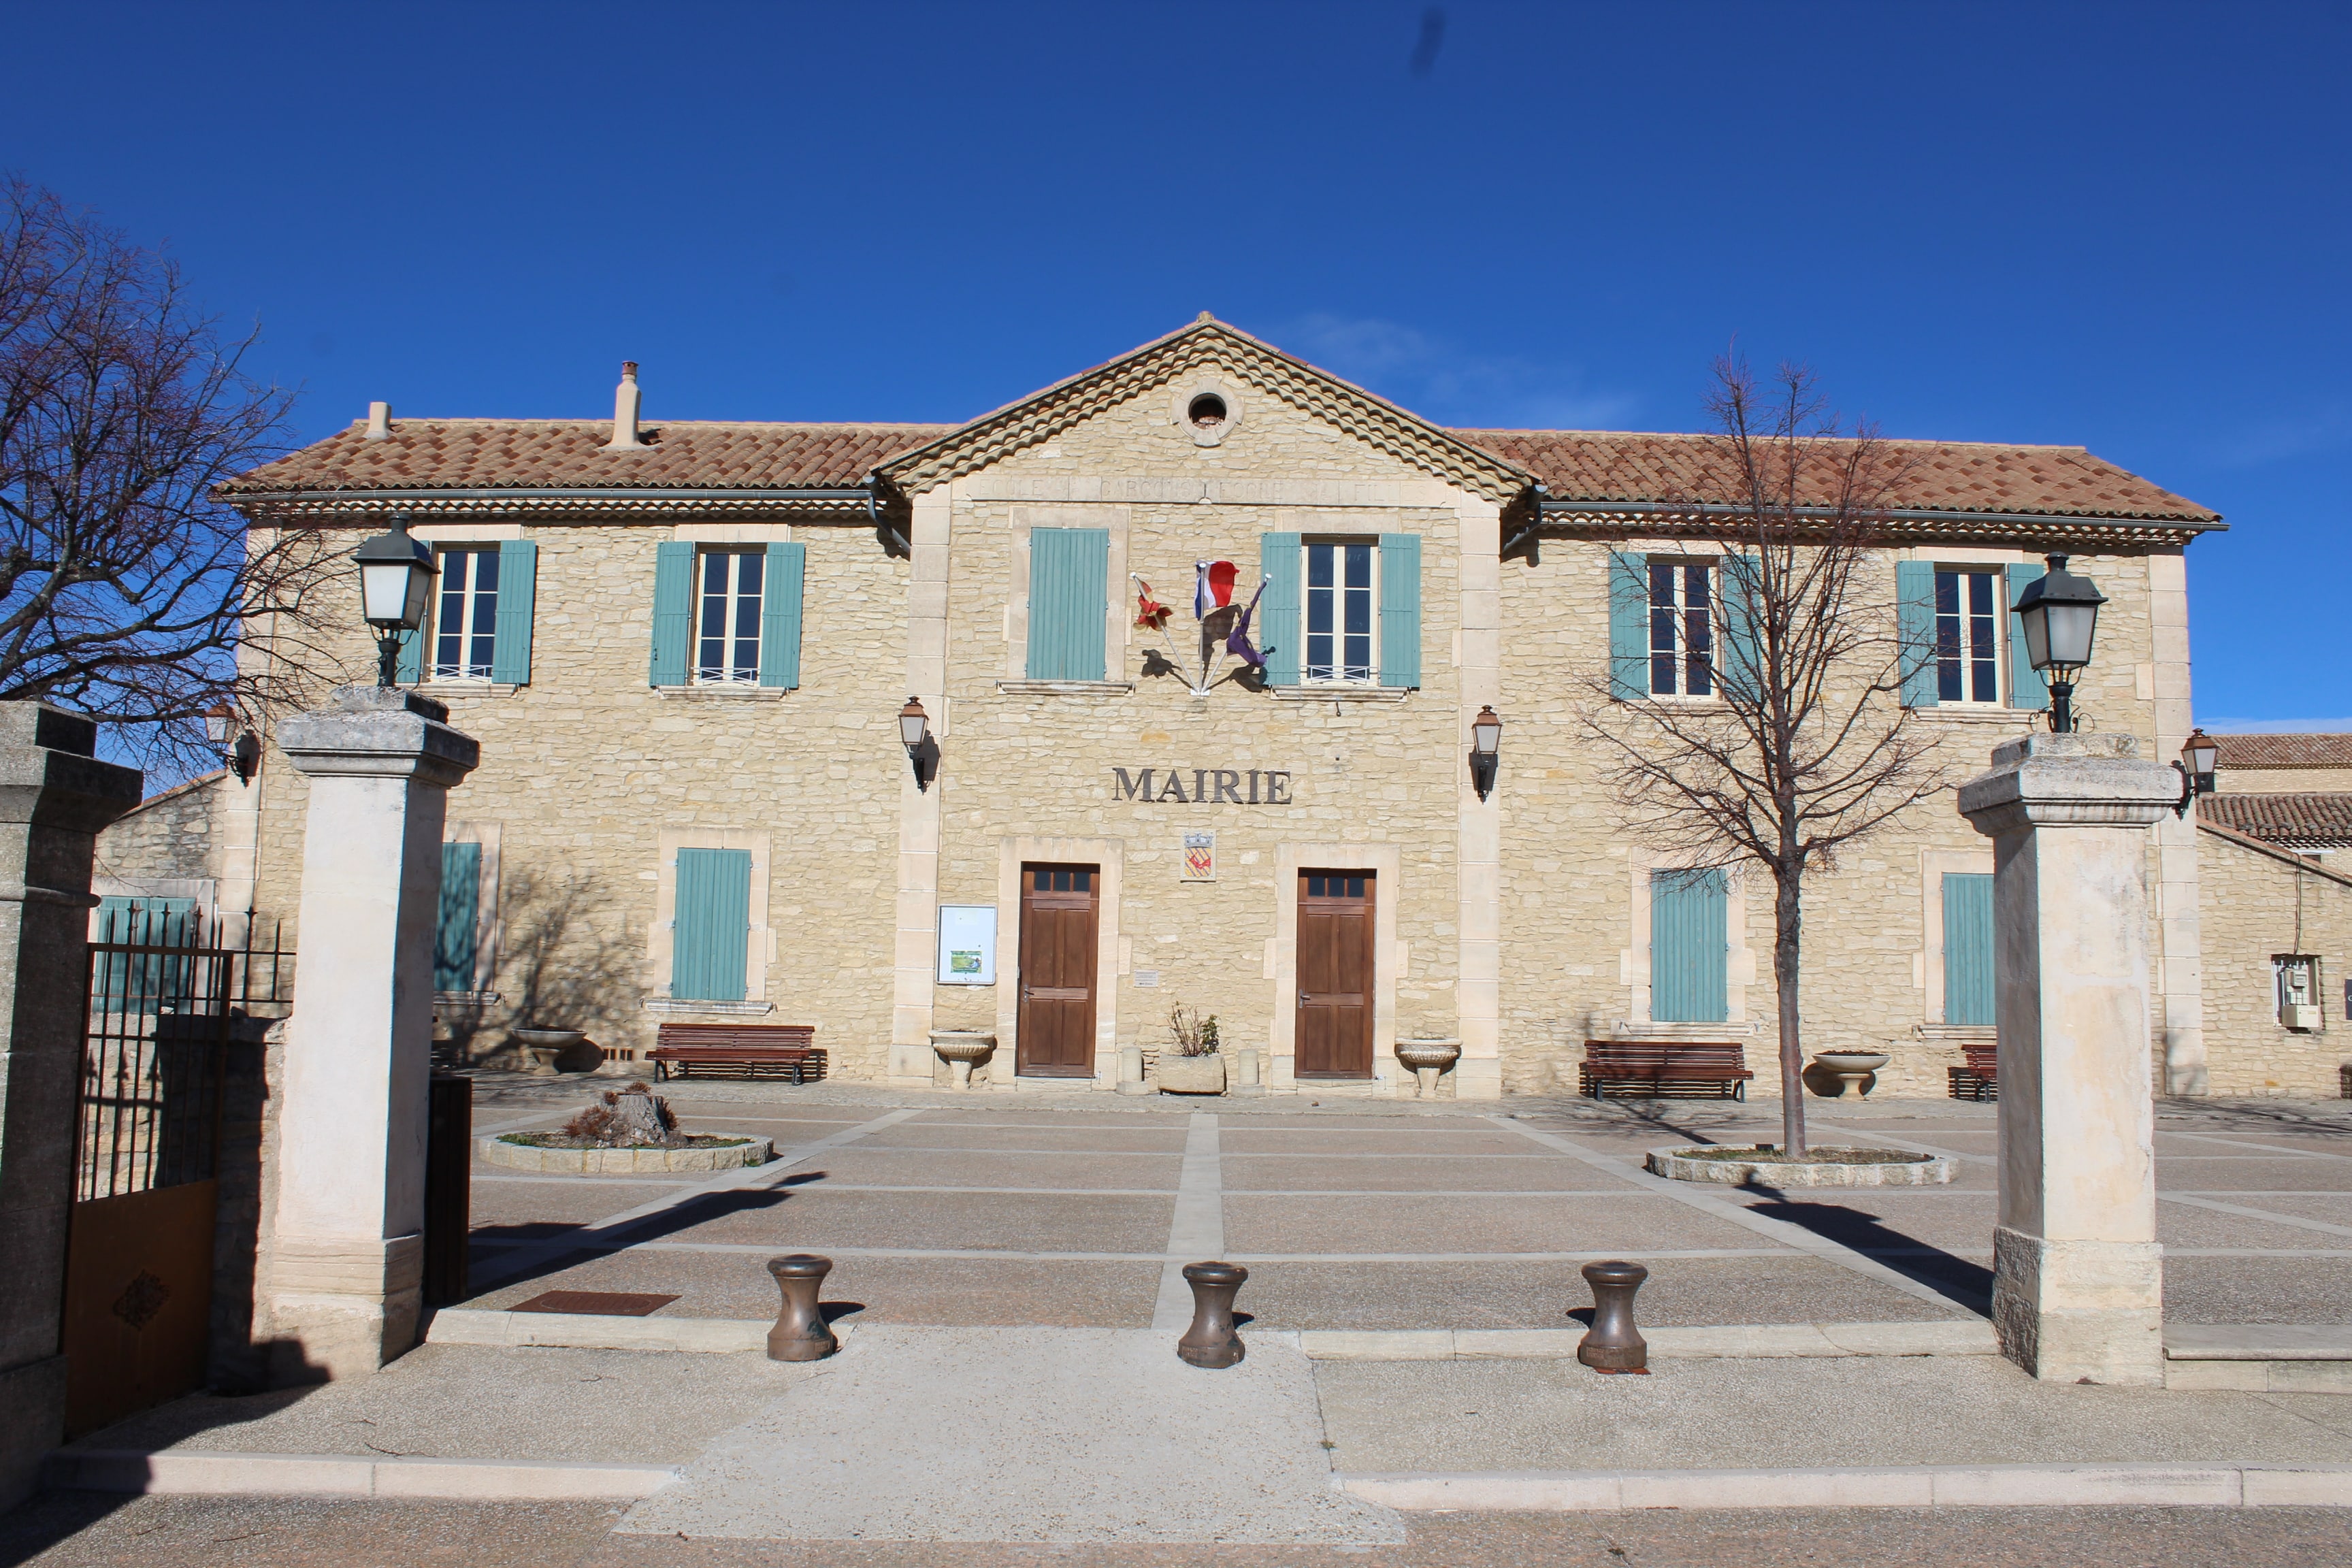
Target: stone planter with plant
(1192,1065)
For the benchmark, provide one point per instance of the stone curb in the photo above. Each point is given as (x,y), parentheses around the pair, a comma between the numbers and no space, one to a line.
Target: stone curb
(1964,1337)
(1905,1486)
(203,1473)
(574,1331)
(1666,1160)
(497,1151)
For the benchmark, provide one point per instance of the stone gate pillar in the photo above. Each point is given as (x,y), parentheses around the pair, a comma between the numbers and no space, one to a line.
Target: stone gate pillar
(346,1255)
(55,796)
(2078,1278)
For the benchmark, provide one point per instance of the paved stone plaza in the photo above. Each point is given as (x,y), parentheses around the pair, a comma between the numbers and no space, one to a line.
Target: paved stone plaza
(1351,1214)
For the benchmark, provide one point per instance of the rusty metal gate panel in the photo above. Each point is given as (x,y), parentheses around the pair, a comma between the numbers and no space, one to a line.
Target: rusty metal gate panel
(162,997)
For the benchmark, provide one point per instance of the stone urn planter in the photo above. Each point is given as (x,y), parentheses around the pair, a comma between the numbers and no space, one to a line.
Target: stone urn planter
(1430,1060)
(1191,1075)
(540,1048)
(1854,1072)
(963,1049)
(1766,1167)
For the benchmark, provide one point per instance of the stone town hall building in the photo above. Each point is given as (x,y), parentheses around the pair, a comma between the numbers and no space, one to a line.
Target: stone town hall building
(684,647)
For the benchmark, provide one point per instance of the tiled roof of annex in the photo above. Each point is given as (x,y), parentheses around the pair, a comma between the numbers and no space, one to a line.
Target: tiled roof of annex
(2318,820)
(1941,476)
(571,454)
(2297,750)
(690,454)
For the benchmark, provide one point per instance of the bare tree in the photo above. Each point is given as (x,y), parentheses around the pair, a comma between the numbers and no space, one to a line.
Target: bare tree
(124,584)
(1807,747)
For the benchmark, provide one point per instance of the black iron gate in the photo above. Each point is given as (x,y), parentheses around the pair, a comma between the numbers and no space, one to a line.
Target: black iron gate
(165,997)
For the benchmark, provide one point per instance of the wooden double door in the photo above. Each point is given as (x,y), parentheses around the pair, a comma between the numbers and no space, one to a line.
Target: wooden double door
(1334,1034)
(1060,915)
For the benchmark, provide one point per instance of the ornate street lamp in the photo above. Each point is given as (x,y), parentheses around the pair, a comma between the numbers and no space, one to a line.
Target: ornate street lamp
(915,732)
(242,757)
(396,574)
(2061,612)
(1485,749)
(2198,755)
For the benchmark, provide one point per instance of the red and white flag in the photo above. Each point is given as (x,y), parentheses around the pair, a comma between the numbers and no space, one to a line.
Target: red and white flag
(1213,586)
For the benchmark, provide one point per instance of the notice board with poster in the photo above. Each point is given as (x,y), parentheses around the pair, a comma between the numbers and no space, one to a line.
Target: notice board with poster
(967,944)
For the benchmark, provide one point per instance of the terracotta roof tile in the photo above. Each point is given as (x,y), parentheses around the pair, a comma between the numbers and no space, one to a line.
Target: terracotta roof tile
(2319,820)
(2305,751)
(1945,475)
(570,453)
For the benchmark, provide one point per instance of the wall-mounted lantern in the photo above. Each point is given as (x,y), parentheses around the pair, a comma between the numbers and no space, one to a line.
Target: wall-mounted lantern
(915,733)
(1486,751)
(243,755)
(2198,755)
(2061,613)
(396,574)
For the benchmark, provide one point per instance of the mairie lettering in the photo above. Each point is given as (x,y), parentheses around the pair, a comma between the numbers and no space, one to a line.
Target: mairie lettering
(1203,786)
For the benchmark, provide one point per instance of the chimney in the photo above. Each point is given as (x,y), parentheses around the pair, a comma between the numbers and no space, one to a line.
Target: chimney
(624,411)
(379,422)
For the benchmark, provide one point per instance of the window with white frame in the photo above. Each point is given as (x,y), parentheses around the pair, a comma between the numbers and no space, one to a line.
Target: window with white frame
(726,618)
(1342,609)
(1967,636)
(464,620)
(1682,628)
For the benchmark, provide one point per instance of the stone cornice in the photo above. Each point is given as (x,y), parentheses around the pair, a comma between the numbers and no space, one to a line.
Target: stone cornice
(1372,420)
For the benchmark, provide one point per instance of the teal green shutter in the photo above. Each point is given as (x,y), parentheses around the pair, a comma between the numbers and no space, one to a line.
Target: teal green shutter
(1688,946)
(779,616)
(1968,947)
(673,610)
(1069,588)
(1915,622)
(150,979)
(409,667)
(713,926)
(2026,686)
(1740,662)
(1400,609)
(456,934)
(518,584)
(1281,614)
(1629,627)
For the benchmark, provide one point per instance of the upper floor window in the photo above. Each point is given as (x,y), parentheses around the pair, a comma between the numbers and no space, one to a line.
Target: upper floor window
(726,618)
(1682,628)
(1342,610)
(465,620)
(1967,636)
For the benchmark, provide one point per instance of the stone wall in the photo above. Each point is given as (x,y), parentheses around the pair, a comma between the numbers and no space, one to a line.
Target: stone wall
(2259,902)
(172,837)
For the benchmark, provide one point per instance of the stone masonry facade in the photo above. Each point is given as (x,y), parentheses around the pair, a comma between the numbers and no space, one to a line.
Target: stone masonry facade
(1516,925)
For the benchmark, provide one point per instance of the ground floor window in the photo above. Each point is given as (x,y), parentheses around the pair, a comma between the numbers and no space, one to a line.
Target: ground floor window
(710,932)
(1968,948)
(1689,946)
(457,937)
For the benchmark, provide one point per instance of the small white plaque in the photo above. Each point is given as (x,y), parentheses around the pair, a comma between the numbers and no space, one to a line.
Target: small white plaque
(967,944)
(1147,977)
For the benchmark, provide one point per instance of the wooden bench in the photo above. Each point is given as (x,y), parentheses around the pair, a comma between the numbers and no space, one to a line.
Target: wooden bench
(738,1050)
(1979,1079)
(1665,1067)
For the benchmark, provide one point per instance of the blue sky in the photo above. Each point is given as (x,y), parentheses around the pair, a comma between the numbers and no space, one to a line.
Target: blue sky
(2123,226)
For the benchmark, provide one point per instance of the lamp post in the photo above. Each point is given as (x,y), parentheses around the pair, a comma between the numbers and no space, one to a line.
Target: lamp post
(397,573)
(2061,613)
(1485,749)
(2198,755)
(914,731)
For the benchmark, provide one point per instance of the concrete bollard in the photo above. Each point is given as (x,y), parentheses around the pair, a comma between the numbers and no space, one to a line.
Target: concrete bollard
(1131,1070)
(1249,1072)
(1212,1341)
(800,1332)
(1613,1345)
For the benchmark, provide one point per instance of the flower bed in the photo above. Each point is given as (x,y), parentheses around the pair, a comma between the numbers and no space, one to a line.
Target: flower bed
(564,1153)
(1766,1167)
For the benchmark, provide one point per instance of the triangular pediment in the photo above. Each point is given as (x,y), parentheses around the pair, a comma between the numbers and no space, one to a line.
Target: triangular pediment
(1208,343)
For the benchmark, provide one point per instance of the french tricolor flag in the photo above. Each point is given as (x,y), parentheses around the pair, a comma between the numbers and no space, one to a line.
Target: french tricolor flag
(1213,586)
